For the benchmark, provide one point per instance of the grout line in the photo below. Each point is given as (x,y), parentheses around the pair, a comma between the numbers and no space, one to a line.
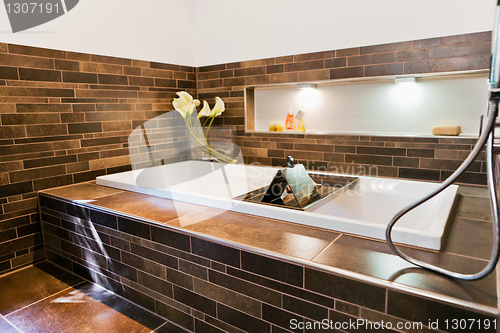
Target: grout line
(321,252)
(17,238)
(165,323)
(40,300)
(15,270)
(386,301)
(465,256)
(41,224)
(473,219)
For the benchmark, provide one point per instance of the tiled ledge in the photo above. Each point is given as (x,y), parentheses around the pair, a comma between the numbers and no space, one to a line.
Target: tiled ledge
(357,136)
(200,266)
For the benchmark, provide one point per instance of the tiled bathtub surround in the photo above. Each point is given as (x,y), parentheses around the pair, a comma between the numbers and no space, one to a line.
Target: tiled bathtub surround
(258,274)
(65,118)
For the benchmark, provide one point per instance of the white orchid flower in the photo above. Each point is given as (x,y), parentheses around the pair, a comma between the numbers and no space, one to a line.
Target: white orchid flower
(219,107)
(186,97)
(185,104)
(205,111)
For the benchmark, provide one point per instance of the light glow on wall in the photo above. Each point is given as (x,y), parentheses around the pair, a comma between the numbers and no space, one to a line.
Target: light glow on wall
(309,99)
(406,95)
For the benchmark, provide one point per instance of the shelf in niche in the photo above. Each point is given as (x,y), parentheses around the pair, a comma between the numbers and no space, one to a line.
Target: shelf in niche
(366,134)
(471,100)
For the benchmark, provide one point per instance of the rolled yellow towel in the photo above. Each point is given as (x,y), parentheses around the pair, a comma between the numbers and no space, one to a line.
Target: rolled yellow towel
(446,130)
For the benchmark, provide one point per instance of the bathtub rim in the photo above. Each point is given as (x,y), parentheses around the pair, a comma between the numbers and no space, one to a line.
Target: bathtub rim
(401,235)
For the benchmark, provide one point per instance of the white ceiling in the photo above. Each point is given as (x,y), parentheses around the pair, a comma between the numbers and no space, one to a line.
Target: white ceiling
(206,32)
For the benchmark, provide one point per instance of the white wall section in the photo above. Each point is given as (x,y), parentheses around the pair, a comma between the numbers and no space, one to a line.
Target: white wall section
(256,29)
(207,32)
(153,30)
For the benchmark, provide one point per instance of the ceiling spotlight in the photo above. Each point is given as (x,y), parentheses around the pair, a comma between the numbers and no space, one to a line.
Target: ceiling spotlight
(406,80)
(306,86)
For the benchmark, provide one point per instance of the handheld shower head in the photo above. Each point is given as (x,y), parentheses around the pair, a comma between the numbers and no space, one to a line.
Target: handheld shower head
(486,137)
(495,52)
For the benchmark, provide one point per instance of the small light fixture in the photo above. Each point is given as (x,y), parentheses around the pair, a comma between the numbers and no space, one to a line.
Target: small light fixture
(306,86)
(406,80)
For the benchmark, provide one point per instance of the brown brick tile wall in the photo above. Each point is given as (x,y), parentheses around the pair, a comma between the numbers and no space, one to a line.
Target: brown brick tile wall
(65,118)
(401,157)
(416,158)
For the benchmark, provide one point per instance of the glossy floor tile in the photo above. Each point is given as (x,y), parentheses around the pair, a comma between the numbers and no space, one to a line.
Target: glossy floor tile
(6,327)
(88,308)
(31,284)
(46,298)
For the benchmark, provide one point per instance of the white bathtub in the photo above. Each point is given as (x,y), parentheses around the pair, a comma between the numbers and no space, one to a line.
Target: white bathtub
(364,209)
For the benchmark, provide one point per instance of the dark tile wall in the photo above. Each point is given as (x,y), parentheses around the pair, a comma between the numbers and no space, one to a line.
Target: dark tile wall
(209,287)
(415,158)
(65,118)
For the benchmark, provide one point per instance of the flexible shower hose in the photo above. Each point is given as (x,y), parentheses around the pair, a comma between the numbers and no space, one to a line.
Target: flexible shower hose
(486,135)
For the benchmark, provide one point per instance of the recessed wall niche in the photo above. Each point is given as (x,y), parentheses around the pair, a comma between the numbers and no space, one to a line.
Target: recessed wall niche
(375,106)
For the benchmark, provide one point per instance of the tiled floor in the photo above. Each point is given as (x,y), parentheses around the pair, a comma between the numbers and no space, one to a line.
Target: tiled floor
(45,298)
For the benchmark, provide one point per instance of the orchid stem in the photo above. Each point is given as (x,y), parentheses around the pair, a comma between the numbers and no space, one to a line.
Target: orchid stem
(205,146)
(206,136)
(206,121)
(208,128)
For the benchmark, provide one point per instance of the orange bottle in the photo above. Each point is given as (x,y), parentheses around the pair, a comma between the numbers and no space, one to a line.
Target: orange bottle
(290,121)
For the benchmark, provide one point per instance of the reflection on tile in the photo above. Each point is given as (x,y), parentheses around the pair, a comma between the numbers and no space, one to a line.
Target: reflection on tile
(146,206)
(89,308)
(82,191)
(5,327)
(364,256)
(281,237)
(470,238)
(476,208)
(474,191)
(403,305)
(375,316)
(29,285)
(170,328)
(376,259)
